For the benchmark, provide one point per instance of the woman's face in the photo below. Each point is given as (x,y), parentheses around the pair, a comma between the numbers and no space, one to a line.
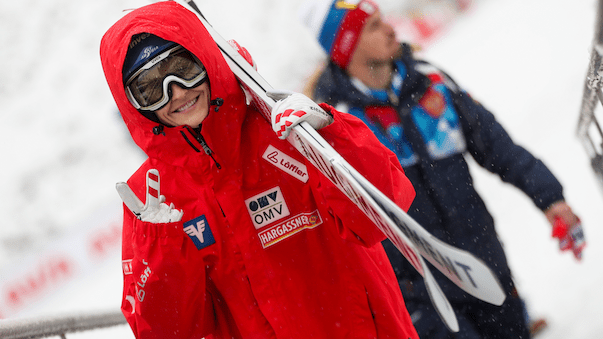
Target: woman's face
(187,106)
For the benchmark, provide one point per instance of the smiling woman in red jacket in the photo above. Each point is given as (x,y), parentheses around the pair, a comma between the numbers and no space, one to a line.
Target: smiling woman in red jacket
(246,239)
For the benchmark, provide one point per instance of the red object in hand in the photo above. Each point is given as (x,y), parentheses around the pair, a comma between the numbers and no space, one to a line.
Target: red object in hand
(560,231)
(570,237)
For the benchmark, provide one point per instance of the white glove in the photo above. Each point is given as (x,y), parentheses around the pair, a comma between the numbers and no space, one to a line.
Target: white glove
(155,210)
(293,108)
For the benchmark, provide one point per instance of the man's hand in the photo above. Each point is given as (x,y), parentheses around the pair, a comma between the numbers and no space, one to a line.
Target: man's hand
(293,108)
(567,228)
(155,210)
(570,237)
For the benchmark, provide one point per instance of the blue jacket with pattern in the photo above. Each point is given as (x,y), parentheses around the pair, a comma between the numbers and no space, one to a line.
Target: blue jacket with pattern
(431,124)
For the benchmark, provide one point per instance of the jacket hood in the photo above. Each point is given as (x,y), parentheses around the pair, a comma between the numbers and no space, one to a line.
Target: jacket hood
(221,129)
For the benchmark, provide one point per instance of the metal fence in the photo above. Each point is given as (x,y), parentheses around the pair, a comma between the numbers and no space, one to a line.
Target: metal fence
(43,327)
(590,129)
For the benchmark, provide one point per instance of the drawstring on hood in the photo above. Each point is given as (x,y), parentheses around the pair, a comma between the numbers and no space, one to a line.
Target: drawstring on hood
(196,133)
(216,102)
(157,130)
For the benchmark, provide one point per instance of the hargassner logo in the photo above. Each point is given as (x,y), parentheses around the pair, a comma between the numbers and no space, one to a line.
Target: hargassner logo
(286,163)
(199,232)
(267,207)
(288,228)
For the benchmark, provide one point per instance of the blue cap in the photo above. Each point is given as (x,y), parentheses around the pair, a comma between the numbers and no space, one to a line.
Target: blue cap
(143,48)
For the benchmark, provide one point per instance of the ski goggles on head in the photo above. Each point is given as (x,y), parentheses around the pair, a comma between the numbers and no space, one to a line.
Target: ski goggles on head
(148,89)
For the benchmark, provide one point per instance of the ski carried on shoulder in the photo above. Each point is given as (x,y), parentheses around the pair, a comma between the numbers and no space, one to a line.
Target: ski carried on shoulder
(413,241)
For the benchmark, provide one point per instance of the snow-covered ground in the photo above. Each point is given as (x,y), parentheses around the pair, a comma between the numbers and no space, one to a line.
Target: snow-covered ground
(63,146)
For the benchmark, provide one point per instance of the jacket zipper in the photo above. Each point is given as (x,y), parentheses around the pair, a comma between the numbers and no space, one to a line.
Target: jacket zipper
(197,135)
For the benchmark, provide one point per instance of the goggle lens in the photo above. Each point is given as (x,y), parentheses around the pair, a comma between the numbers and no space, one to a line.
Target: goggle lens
(148,88)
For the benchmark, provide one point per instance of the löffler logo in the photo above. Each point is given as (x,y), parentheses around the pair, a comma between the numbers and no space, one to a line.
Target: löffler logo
(286,163)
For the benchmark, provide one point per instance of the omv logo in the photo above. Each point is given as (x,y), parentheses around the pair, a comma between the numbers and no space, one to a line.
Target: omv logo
(267,207)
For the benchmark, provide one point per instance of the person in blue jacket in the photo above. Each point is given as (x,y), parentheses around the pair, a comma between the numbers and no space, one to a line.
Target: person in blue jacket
(431,123)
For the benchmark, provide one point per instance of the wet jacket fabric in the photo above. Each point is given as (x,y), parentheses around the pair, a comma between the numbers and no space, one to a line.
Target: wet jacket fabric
(432,124)
(267,246)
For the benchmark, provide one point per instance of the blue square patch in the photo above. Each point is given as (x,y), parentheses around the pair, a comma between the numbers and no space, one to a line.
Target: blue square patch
(199,232)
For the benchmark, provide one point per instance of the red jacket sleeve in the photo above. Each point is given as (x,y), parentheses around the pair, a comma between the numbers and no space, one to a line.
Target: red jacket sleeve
(357,144)
(164,292)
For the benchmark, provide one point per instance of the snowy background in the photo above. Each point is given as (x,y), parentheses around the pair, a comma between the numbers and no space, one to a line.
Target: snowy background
(63,146)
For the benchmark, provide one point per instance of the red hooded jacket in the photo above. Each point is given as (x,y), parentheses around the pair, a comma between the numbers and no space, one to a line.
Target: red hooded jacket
(267,247)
